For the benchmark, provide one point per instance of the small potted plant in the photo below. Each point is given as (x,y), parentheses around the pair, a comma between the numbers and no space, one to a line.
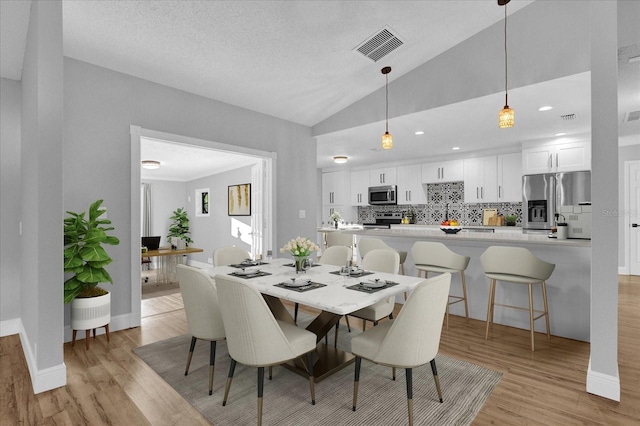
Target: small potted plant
(510,219)
(85,259)
(179,227)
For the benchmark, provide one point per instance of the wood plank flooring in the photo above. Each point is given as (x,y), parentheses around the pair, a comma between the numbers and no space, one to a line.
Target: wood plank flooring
(109,385)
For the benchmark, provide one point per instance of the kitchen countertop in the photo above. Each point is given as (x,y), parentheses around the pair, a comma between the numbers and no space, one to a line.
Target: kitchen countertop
(500,234)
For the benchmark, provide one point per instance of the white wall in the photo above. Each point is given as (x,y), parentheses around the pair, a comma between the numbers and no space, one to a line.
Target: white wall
(10,201)
(166,197)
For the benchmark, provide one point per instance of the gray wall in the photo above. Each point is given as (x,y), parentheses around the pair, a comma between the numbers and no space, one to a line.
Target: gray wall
(10,199)
(219,229)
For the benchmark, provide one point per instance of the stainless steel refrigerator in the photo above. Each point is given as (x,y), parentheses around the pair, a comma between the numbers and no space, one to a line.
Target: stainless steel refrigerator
(544,194)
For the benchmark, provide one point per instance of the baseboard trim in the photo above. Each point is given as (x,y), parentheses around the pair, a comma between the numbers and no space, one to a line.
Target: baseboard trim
(623,270)
(603,385)
(9,327)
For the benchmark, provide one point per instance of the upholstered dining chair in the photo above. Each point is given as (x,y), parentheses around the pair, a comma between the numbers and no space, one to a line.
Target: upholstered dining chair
(365,245)
(255,338)
(519,266)
(379,260)
(337,256)
(431,256)
(202,308)
(410,340)
(229,255)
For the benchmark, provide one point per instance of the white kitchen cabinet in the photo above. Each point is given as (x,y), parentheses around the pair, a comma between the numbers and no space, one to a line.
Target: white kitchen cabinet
(564,157)
(384,176)
(481,180)
(335,188)
(445,171)
(510,178)
(410,190)
(359,188)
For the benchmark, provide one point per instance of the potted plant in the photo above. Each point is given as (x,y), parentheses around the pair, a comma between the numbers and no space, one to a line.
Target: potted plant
(179,227)
(510,219)
(85,259)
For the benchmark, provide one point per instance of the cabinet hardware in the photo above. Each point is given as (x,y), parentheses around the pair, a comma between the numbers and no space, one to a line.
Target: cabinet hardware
(557,165)
(477,192)
(499,191)
(482,192)
(443,173)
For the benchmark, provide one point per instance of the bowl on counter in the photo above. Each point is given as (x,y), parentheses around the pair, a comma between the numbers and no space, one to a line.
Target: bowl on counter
(451,229)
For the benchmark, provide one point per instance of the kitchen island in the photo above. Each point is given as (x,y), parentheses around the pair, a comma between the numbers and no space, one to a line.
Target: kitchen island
(568,288)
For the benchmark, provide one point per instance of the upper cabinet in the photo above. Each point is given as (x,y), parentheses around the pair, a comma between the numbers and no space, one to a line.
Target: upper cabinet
(510,178)
(410,190)
(564,157)
(359,188)
(384,176)
(445,171)
(481,179)
(335,188)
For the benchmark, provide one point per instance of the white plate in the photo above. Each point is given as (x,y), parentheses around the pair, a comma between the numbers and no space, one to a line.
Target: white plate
(247,272)
(374,284)
(297,283)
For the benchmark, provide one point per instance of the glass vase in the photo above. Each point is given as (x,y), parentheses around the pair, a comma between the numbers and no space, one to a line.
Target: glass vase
(301,263)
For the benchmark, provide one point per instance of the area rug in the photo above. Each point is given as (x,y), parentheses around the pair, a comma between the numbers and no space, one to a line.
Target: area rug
(381,401)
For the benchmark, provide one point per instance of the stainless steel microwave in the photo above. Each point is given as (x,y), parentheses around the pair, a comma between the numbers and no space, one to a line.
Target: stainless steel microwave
(383,195)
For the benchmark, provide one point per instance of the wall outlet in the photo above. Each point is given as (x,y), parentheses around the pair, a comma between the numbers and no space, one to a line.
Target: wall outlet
(302,214)
(210,260)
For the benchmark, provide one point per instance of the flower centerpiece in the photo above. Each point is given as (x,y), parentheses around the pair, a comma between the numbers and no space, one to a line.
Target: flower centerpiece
(300,248)
(335,218)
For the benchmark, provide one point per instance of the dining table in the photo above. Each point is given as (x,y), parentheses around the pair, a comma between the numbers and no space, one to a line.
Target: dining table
(321,287)
(168,258)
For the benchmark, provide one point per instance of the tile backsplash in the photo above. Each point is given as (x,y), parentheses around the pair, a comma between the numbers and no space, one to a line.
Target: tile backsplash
(439,195)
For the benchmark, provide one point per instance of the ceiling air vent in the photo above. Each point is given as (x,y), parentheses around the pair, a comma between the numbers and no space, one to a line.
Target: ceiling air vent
(633,116)
(380,44)
(568,117)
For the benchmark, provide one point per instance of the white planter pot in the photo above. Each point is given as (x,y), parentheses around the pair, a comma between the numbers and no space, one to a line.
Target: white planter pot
(91,312)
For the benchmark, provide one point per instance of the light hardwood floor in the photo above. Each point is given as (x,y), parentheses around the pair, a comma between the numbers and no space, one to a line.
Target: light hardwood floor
(109,385)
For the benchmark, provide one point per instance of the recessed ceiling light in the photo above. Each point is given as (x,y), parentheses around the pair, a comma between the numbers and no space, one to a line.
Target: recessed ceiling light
(455,148)
(419,132)
(545,108)
(150,164)
(340,159)
(560,134)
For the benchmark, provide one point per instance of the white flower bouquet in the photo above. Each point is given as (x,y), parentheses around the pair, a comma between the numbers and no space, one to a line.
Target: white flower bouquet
(335,217)
(300,247)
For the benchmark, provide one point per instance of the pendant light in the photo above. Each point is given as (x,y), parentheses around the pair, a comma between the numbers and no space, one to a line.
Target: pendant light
(387,139)
(506,116)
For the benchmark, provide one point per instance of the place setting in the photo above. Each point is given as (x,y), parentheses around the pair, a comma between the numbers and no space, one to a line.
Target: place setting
(249,273)
(351,271)
(372,285)
(299,284)
(248,263)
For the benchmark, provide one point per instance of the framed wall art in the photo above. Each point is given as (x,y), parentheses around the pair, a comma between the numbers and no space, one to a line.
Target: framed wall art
(239,200)
(202,202)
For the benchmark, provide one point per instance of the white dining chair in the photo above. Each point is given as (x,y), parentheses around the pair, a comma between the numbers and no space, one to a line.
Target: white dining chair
(365,245)
(519,266)
(431,256)
(379,260)
(337,256)
(229,255)
(202,309)
(255,338)
(409,341)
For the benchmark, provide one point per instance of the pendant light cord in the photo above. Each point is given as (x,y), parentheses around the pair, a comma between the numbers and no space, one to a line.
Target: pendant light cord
(387,102)
(506,95)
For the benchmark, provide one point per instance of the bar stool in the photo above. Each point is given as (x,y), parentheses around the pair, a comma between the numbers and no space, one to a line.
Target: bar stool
(435,257)
(516,265)
(367,244)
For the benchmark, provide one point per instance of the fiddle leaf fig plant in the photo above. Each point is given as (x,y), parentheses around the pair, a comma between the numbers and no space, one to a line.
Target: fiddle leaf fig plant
(180,225)
(84,255)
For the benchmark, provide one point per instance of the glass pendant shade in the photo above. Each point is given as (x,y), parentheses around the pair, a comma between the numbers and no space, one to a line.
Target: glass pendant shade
(387,141)
(506,117)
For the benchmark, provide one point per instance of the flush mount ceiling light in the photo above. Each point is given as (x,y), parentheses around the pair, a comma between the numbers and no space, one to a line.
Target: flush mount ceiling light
(506,116)
(560,134)
(150,164)
(419,132)
(340,159)
(387,139)
(545,108)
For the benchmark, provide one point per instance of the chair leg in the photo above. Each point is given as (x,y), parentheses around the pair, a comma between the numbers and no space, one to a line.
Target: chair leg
(212,362)
(191,348)
(335,340)
(295,313)
(260,389)
(464,294)
(270,372)
(356,381)
(531,318)
(232,368)
(346,317)
(434,370)
(409,378)
(546,308)
(402,268)
(492,289)
(364,324)
(393,373)
(312,384)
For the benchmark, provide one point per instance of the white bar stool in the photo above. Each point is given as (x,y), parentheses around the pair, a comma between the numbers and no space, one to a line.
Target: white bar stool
(435,257)
(516,265)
